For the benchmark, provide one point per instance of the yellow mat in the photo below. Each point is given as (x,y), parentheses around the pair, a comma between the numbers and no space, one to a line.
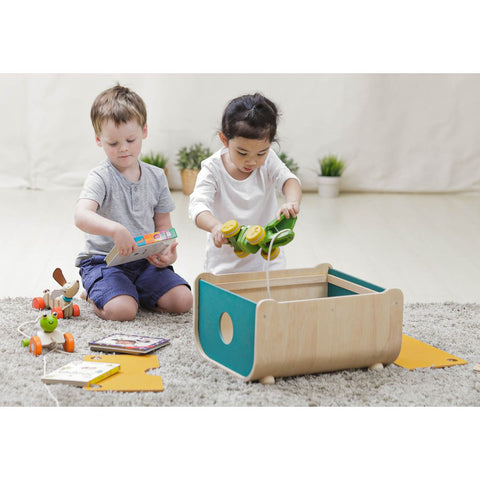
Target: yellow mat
(132,377)
(416,354)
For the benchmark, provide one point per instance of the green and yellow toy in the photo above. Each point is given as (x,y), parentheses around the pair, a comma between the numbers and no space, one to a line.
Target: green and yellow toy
(247,239)
(49,336)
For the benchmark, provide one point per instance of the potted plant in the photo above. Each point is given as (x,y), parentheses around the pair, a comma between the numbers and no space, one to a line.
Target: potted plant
(158,159)
(328,180)
(188,162)
(289,162)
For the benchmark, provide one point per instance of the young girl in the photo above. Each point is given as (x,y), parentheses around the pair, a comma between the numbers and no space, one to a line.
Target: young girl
(239,182)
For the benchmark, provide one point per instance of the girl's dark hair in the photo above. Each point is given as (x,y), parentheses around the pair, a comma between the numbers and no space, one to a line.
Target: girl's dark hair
(250,116)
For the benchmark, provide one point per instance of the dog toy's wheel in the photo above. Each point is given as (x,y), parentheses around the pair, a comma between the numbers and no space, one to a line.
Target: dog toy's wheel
(35,346)
(76,310)
(273,254)
(69,345)
(230,228)
(38,303)
(255,234)
(241,253)
(59,311)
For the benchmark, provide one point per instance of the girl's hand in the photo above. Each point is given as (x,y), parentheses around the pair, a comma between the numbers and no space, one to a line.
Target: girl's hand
(218,237)
(162,260)
(289,209)
(124,241)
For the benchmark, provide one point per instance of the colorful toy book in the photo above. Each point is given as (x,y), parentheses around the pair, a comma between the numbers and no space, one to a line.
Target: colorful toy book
(150,244)
(134,344)
(81,373)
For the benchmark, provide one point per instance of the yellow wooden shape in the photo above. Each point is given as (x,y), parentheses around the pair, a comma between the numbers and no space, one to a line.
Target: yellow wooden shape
(132,376)
(416,354)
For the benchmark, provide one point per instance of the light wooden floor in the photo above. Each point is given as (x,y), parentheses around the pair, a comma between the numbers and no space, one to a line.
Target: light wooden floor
(426,245)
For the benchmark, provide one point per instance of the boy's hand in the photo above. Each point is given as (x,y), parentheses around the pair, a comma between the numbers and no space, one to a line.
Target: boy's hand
(124,241)
(162,260)
(218,237)
(289,209)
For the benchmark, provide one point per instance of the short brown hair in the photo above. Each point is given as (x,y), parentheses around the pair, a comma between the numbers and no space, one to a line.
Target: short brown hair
(119,104)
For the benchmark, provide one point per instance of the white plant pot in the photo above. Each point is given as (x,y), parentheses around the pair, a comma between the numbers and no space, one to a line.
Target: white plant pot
(328,187)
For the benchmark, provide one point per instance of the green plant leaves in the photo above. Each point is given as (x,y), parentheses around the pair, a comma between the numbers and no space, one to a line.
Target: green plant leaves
(190,158)
(331,166)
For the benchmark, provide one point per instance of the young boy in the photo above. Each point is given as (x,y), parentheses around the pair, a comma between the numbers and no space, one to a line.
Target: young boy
(121,199)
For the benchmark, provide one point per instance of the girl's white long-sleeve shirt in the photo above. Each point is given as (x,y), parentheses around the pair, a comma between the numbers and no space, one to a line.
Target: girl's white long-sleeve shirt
(252,201)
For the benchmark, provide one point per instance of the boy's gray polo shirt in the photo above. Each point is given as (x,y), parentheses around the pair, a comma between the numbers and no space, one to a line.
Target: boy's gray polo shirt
(131,204)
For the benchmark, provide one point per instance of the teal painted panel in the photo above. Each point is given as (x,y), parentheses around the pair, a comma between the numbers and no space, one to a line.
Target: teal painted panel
(334,291)
(212,303)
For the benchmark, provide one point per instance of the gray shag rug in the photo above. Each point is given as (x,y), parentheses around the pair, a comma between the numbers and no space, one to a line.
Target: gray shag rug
(191,380)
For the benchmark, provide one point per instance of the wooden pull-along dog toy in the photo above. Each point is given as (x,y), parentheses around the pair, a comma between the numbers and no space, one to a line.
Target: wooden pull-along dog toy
(60,300)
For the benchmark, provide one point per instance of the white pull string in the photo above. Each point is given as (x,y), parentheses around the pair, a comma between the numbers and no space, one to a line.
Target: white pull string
(267,270)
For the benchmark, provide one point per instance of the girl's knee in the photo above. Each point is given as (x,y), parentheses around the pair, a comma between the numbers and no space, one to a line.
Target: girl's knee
(121,308)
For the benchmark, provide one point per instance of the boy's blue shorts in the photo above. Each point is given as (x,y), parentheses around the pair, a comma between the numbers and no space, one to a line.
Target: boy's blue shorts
(139,279)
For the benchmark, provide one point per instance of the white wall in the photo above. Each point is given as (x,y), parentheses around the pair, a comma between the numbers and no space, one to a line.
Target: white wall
(406,132)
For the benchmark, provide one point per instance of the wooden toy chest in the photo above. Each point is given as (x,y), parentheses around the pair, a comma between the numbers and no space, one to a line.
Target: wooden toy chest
(317,320)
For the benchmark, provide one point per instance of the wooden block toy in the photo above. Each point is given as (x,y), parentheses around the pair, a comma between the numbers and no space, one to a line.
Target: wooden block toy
(317,320)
